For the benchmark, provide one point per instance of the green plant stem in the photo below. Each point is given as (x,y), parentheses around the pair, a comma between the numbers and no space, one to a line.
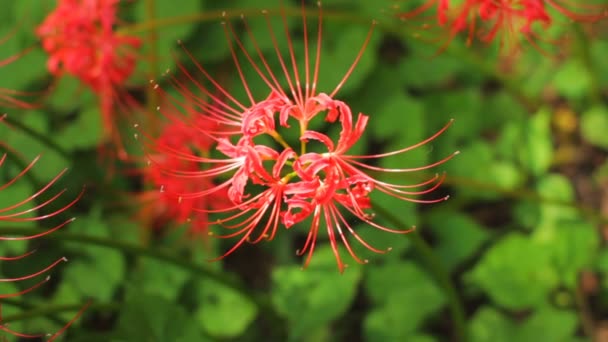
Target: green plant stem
(438,271)
(50,311)
(262,302)
(585,56)
(43,139)
(153,67)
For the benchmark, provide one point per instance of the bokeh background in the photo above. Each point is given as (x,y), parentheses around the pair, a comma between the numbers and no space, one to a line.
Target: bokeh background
(516,254)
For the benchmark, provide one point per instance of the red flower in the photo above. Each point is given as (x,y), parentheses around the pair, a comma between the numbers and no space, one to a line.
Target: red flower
(18,212)
(167,204)
(507,18)
(271,184)
(80,40)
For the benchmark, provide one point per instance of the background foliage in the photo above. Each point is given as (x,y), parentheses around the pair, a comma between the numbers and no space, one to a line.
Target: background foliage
(516,254)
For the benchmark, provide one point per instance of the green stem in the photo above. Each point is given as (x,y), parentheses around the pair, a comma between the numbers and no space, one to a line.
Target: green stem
(43,139)
(153,68)
(440,273)
(50,311)
(585,55)
(261,301)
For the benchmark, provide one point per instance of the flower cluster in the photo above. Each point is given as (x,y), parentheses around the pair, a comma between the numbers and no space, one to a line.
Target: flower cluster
(270,182)
(488,19)
(80,39)
(24,210)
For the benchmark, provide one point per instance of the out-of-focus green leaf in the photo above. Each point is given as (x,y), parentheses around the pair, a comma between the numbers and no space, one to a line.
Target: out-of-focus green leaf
(458,235)
(404,297)
(572,79)
(223,312)
(153,318)
(167,36)
(594,125)
(153,277)
(507,270)
(536,152)
(96,271)
(472,165)
(83,132)
(557,188)
(573,245)
(312,299)
(489,325)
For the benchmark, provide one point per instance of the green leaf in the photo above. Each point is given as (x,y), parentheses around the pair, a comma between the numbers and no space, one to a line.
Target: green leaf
(223,312)
(464,106)
(547,324)
(472,164)
(458,235)
(96,271)
(489,325)
(404,297)
(573,245)
(536,152)
(422,69)
(311,299)
(594,125)
(508,269)
(154,277)
(556,188)
(167,37)
(338,53)
(152,318)
(572,79)
(83,132)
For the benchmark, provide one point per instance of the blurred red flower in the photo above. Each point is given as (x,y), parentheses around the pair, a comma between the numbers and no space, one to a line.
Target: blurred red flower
(80,40)
(510,20)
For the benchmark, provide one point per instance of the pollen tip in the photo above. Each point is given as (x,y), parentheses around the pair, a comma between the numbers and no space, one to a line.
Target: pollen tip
(374,22)
(179,41)
(389,249)
(157,107)
(366,261)
(413,227)
(64,259)
(447,197)
(456,152)
(223,14)
(48,277)
(72,219)
(264,11)
(135,125)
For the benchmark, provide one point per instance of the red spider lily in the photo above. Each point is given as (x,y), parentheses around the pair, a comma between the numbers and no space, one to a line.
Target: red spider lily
(164,204)
(80,39)
(292,186)
(18,212)
(488,19)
